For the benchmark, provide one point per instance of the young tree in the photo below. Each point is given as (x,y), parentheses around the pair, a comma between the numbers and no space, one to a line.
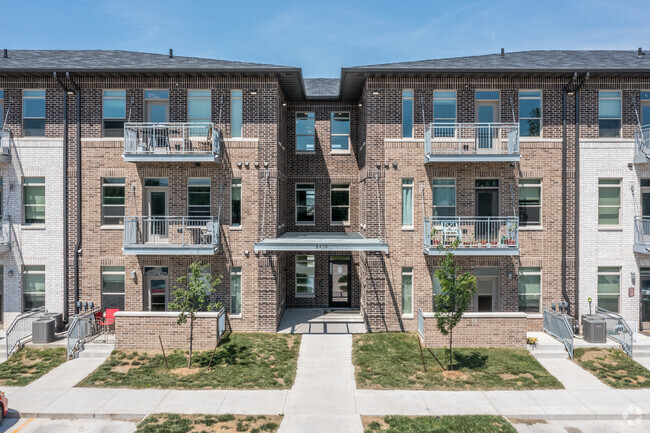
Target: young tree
(191,295)
(456,293)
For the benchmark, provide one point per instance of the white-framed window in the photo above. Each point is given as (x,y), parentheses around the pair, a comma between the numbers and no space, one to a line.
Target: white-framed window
(340,204)
(340,131)
(199,106)
(34,200)
(113,112)
(407,290)
(236,114)
(156,287)
(305,203)
(33,113)
(235,290)
(530,113)
(235,203)
(113,201)
(407,113)
(609,202)
(645,108)
(530,202)
(305,132)
(609,287)
(444,197)
(444,113)
(530,289)
(407,203)
(436,286)
(198,197)
(113,292)
(33,287)
(609,113)
(305,276)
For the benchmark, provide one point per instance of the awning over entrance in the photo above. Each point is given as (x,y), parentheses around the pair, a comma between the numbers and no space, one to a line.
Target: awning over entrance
(321,241)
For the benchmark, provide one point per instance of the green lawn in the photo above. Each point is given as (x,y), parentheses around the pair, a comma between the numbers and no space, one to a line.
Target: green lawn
(430,424)
(392,361)
(27,365)
(174,423)
(613,367)
(242,361)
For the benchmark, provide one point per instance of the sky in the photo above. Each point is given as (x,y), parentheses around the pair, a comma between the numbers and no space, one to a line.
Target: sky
(323,36)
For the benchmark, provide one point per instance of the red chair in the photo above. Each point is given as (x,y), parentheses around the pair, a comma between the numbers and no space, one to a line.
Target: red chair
(108,320)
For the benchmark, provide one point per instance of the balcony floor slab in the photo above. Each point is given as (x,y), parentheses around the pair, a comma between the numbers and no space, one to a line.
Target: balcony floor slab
(169,251)
(474,251)
(170,157)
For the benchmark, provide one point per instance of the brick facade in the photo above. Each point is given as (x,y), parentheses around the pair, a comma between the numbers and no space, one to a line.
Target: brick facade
(480,330)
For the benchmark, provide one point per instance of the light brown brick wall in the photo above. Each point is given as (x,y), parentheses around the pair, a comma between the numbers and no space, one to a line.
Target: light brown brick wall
(476,330)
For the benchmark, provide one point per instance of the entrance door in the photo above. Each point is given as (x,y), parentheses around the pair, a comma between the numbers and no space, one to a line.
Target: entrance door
(156,286)
(645,294)
(487,113)
(157,205)
(486,204)
(487,294)
(339,281)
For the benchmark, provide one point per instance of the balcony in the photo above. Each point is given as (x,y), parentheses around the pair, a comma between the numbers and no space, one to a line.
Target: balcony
(171,142)
(642,235)
(642,145)
(477,236)
(5,235)
(462,142)
(180,236)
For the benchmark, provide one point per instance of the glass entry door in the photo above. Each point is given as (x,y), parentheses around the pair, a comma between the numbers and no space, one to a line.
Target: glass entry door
(486,112)
(157,204)
(645,294)
(339,281)
(156,282)
(486,204)
(487,293)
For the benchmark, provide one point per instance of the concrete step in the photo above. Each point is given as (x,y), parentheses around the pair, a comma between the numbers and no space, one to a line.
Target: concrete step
(96,350)
(550,354)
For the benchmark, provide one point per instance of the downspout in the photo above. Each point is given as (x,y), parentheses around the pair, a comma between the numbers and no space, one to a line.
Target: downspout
(65,198)
(77,248)
(565,201)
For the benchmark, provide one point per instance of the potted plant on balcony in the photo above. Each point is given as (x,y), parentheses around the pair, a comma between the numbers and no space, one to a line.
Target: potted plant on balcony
(435,242)
(512,234)
(483,242)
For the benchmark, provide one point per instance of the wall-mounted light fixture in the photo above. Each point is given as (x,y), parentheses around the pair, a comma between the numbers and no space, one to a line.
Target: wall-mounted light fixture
(257,164)
(284,104)
(375,92)
(239,165)
(394,165)
(247,164)
(510,275)
(10,273)
(360,104)
(254,92)
(633,277)
(134,276)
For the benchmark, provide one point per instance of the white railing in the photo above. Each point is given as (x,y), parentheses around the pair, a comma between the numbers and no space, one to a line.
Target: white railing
(472,139)
(617,329)
(168,231)
(171,138)
(642,141)
(557,325)
(83,327)
(471,232)
(5,234)
(20,329)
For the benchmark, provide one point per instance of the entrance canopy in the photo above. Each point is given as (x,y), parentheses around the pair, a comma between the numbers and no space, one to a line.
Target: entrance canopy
(321,241)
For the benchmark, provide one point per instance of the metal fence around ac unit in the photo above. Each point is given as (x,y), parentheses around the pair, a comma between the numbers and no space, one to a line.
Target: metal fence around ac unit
(83,327)
(617,329)
(20,329)
(557,325)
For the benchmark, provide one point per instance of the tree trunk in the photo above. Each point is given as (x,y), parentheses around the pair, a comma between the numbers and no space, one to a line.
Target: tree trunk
(189,361)
(451,362)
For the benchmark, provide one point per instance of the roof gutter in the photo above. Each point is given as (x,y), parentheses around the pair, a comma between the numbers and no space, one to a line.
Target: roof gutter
(77,248)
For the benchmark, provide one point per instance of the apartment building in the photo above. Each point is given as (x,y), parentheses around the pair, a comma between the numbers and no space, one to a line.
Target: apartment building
(337,193)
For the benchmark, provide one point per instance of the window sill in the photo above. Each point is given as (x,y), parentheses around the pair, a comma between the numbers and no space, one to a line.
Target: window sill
(340,152)
(305,152)
(111,227)
(305,223)
(235,316)
(33,227)
(408,229)
(407,316)
(345,224)
(534,316)
(531,228)
(610,228)
(236,228)
(304,295)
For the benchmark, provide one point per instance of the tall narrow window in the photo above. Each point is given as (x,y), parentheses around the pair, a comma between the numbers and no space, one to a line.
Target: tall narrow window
(530,202)
(2,112)
(34,200)
(340,203)
(34,113)
(530,289)
(305,203)
(113,201)
(609,287)
(609,113)
(235,290)
(444,197)
(305,276)
(305,132)
(444,113)
(113,112)
(530,113)
(236,114)
(33,287)
(235,203)
(407,203)
(609,202)
(645,108)
(199,106)
(113,287)
(437,287)
(205,276)
(198,197)
(407,290)
(340,131)
(407,113)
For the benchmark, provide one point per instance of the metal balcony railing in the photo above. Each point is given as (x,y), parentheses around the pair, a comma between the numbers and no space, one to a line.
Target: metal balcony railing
(5,234)
(642,234)
(642,144)
(171,235)
(477,234)
(557,326)
(171,141)
(472,141)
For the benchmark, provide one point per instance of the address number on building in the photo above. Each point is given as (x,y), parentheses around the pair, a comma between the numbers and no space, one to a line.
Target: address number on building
(321,246)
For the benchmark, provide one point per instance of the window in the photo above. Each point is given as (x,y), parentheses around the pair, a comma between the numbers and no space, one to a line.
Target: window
(407,203)
(162,182)
(407,113)
(305,203)
(235,290)
(114,112)
(113,287)
(444,197)
(235,203)
(199,106)
(1,191)
(340,203)
(33,287)
(609,113)
(407,290)
(530,289)
(609,201)
(205,276)
(305,132)
(156,279)
(437,287)
(530,113)
(34,113)
(645,108)
(198,197)
(34,200)
(2,104)
(444,113)
(113,201)
(340,132)
(530,202)
(236,114)
(609,287)
(305,276)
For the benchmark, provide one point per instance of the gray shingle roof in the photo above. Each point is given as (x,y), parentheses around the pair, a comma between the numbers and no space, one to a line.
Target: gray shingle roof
(322,87)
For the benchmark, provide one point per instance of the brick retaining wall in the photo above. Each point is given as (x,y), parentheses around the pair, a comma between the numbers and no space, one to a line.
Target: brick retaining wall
(480,330)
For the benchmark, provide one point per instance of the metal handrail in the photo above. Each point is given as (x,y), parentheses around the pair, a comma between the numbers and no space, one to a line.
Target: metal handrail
(171,231)
(617,329)
(194,138)
(82,328)
(557,325)
(472,232)
(421,323)
(472,138)
(21,329)
(642,140)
